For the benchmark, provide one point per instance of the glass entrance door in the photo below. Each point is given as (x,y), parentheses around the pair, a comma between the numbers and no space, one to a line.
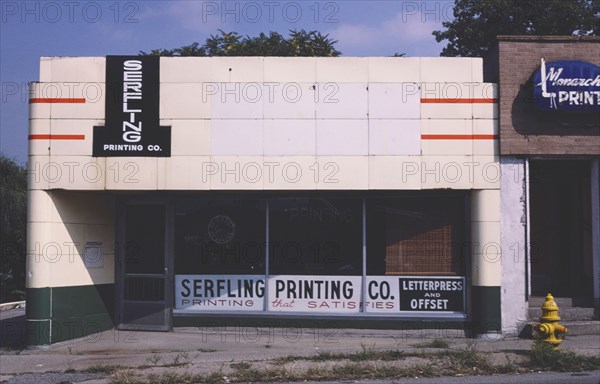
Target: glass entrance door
(143,278)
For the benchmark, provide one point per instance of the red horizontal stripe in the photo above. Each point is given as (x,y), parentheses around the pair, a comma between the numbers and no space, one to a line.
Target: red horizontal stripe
(459,137)
(55,100)
(458,101)
(56,137)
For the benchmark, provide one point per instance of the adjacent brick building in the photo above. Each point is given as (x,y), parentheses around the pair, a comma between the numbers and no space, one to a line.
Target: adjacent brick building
(549,154)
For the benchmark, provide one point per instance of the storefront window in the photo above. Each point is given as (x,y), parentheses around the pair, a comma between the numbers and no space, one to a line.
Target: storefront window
(416,235)
(220,236)
(414,258)
(316,250)
(315,263)
(315,236)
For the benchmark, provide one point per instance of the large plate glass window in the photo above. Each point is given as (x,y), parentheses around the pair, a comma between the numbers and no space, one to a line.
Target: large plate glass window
(416,253)
(316,256)
(220,254)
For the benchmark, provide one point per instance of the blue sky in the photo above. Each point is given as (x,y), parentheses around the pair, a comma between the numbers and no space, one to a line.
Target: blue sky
(30,29)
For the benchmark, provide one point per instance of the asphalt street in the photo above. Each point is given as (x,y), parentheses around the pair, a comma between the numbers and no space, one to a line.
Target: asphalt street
(530,378)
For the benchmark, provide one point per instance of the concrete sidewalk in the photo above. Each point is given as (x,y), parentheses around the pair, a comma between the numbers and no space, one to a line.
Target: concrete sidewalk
(210,349)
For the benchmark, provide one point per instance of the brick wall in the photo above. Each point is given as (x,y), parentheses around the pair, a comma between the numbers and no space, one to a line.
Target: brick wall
(526,130)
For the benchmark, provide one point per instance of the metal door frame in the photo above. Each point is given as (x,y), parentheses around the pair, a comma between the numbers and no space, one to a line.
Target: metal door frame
(120,252)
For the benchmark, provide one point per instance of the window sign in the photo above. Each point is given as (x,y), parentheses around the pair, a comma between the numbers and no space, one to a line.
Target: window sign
(432,294)
(314,294)
(382,294)
(394,294)
(386,295)
(219,292)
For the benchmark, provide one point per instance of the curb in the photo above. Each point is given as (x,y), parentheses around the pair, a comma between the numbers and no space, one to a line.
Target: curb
(12,305)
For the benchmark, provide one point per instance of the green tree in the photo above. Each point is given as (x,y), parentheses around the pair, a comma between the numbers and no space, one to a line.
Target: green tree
(477,22)
(299,43)
(13,224)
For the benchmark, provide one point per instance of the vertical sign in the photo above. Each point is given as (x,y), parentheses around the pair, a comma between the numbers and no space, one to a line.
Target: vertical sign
(132,110)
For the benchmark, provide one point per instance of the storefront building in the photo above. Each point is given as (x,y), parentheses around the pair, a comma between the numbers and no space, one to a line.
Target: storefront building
(549,125)
(165,190)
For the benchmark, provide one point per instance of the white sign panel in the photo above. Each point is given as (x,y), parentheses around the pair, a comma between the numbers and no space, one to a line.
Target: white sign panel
(305,294)
(382,294)
(219,292)
(314,294)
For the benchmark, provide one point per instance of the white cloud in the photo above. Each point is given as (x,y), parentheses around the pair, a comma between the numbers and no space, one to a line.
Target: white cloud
(401,33)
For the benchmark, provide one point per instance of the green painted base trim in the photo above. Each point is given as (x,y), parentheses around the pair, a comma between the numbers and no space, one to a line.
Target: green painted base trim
(71,312)
(486,310)
(38,303)
(37,332)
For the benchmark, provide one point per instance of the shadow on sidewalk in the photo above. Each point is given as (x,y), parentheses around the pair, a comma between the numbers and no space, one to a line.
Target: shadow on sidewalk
(12,329)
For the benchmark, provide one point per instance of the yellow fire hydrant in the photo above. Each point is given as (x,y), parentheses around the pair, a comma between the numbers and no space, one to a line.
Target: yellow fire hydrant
(550,330)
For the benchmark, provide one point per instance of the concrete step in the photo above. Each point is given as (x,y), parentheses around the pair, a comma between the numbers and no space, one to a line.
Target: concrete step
(574,328)
(565,313)
(577,328)
(537,301)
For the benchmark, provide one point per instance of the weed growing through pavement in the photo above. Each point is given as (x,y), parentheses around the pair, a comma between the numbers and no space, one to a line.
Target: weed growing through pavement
(109,369)
(543,355)
(435,343)
(371,364)
(240,366)
(153,359)
(126,376)
(206,350)
(182,358)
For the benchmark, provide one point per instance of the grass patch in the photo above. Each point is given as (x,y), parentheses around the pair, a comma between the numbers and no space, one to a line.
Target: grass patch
(109,369)
(181,359)
(435,343)
(367,354)
(356,357)
(153,359)
(240,366)
(389,355)
(125,376)
(349,371)
(370,364)
(207,350)
(175,378)
(469,360)
(543,355)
